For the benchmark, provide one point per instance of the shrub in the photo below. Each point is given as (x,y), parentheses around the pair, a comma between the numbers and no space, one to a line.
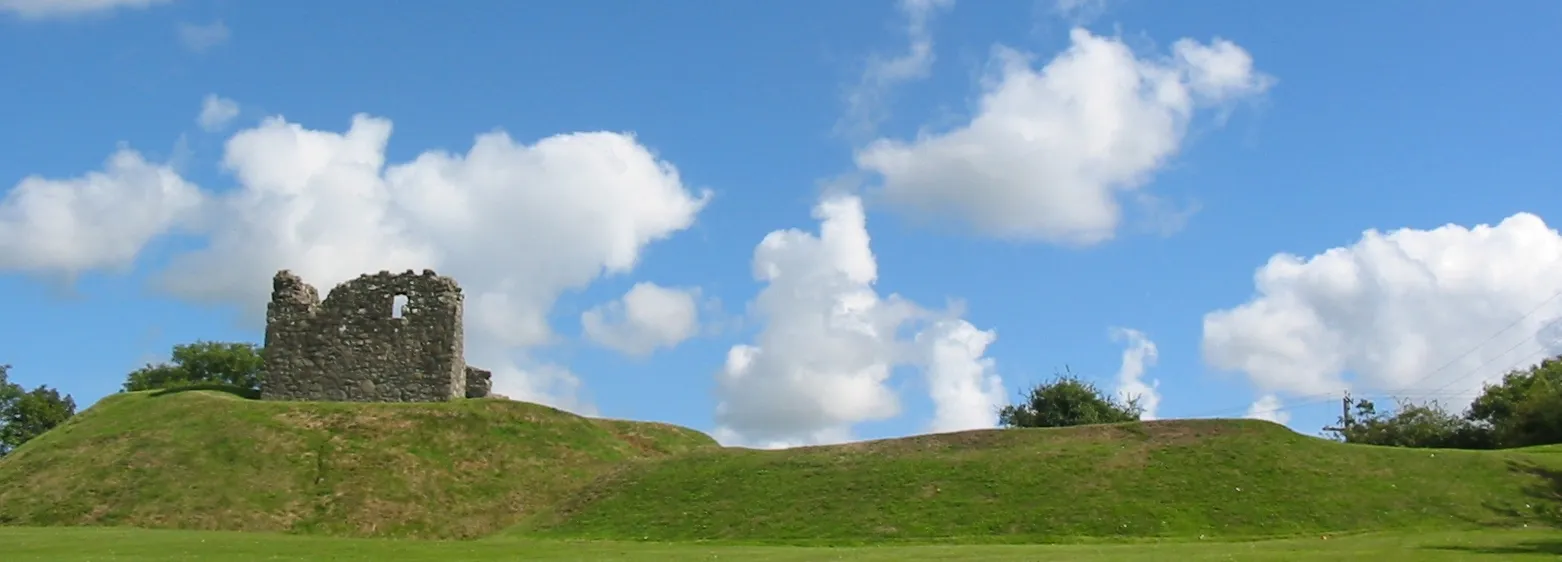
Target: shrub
(1425,425)
(233,364)
(1066,401)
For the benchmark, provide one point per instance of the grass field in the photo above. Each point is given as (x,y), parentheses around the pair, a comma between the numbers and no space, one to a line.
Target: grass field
(1225,478)
(127,545)
(335,481)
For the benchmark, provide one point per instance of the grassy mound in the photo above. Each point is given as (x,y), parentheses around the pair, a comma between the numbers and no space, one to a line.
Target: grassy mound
(64,544)
(1217,478)
(211,460)
(201,459)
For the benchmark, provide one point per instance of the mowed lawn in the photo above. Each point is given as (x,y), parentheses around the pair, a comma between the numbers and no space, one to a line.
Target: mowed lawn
(28,544)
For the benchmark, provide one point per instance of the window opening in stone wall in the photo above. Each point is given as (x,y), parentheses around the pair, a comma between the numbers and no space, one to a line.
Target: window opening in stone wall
(397,304)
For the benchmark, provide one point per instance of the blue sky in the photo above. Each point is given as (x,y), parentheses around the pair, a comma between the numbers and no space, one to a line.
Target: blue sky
(1099,185)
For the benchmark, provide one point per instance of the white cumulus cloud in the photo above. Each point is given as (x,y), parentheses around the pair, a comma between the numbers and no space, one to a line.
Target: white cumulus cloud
(963,383)
(100,220)
(1139,354)
(516,224)
(43,9)
(1389,312)
(1269,408)
(829,344)
(646,318)
(1050,151)
(216,113)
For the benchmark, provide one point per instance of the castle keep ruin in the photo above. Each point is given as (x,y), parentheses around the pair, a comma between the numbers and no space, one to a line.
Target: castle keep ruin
(379,338)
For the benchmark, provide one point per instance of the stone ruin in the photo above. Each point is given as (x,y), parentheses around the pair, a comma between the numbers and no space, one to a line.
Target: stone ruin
(379,338)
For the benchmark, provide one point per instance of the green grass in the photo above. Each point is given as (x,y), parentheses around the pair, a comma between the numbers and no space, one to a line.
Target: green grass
(209,460)
(128,545)
(528,474)
(1217,478)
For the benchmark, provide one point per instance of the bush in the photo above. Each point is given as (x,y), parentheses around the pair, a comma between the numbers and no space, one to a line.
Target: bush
(237,365)
(1523,409)
(1068,401)
(1425,425)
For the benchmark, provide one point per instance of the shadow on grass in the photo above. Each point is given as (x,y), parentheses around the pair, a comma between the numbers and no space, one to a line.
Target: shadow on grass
(1544,491)
(1526,547)
(239,391)
(1543,504)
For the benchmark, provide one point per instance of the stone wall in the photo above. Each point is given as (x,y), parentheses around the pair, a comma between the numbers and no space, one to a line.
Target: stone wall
(479,383)
(356,347)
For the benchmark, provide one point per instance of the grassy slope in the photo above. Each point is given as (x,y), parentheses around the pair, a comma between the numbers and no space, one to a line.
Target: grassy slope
(1177,478)
(133,545)
(207,460)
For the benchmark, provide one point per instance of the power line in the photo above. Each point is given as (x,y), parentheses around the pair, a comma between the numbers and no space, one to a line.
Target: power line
(1330,396)
(1285,407)
(1493,337)
(1477,370)
(1439,393)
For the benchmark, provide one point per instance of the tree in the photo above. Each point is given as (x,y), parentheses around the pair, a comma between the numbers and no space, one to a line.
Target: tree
(1537,420)
(33,414)
(25,415)
(1067,401)
(1525,408)
(203,362)
(1425,425)
(10,394)
(9,391)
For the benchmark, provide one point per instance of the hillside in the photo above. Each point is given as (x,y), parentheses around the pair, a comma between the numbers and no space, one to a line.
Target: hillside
(1188,478)
(209,460)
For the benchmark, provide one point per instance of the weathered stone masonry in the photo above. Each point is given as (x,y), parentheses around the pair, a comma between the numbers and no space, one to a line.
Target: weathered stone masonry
(357,347)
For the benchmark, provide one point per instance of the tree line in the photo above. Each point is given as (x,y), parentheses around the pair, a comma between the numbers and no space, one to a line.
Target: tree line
(1523,409)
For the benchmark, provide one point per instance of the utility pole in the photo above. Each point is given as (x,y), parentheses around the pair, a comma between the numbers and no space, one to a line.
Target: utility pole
(1345,417)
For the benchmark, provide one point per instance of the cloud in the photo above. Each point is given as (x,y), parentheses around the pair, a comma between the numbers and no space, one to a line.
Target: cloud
(1269,408)
(100,220)
(646,318)
(1139,355)
(200,38)
(216,113)
(865,103)
(829,344)
(1050,151)
(821,361)
(517,224)
(1389,312)
(62,9)
(964,384)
